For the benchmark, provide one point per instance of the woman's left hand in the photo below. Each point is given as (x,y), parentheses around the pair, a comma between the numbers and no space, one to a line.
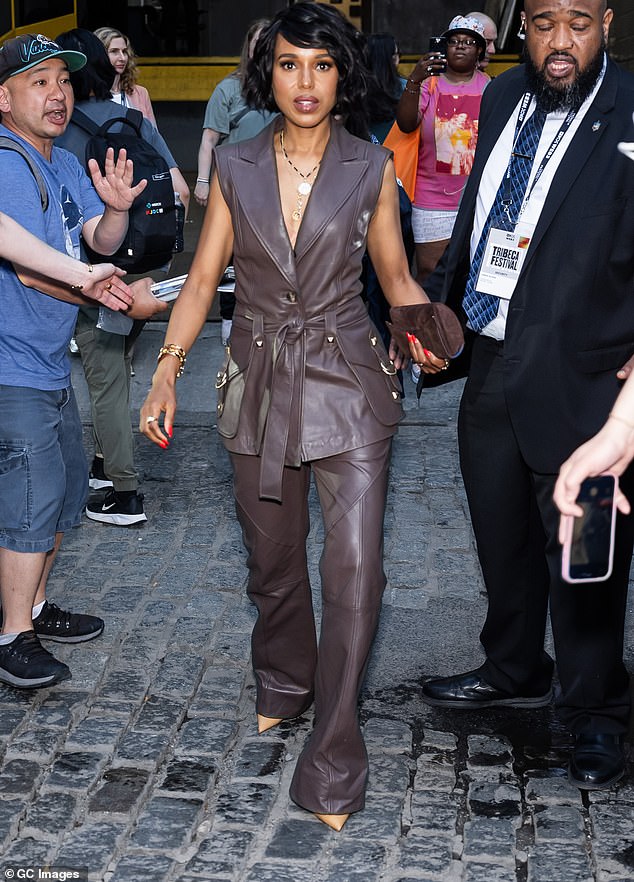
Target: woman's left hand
(429,363)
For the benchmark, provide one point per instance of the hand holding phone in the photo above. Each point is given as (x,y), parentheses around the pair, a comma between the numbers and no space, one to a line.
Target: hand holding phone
(438,51)
(588,548)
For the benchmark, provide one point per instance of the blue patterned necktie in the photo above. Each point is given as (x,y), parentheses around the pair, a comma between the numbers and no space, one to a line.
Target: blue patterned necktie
(481,308)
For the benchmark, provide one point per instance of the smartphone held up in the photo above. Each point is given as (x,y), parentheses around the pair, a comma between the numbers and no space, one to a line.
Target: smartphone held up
(438,44)
(588,548)
(438,48)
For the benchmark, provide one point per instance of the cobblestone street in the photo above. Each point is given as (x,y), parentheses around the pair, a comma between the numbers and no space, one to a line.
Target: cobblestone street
(147,765)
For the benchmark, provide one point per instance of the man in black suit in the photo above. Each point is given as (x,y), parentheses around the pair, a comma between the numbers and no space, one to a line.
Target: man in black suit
(546,233)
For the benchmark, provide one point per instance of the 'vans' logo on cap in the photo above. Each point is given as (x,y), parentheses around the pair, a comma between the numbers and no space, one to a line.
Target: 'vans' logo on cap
(37,47)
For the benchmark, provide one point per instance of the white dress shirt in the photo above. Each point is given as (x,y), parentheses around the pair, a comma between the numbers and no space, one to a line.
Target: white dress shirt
(495,169)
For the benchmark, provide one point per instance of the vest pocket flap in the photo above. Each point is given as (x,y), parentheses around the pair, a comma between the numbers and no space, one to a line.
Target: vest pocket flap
(376,375)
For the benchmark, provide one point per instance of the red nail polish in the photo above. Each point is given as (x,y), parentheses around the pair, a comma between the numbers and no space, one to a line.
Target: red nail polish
(427,353)
(164,444)
(170,431)
(411,337)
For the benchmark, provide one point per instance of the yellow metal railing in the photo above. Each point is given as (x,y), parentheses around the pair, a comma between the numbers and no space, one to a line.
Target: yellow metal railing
(497,64)
(194,79)
(184,79)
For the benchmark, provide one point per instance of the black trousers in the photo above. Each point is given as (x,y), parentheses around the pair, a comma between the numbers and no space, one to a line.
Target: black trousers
(515,523)
(290,666)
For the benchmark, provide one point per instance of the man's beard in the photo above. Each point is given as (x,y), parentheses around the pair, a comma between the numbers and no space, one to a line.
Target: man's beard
(570,96)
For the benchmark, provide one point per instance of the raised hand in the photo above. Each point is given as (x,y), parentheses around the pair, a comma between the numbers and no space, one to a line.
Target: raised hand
(115,186)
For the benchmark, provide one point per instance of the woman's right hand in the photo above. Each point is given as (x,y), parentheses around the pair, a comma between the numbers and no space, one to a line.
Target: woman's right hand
(610,450)
(430,65)
(201,192)
(161,399)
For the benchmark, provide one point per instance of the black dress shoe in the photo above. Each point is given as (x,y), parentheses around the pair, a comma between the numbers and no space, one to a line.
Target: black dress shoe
(597,761)
(470,690)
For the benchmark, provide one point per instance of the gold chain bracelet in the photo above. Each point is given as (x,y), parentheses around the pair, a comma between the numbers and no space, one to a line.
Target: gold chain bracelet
(77,289)
(178,352)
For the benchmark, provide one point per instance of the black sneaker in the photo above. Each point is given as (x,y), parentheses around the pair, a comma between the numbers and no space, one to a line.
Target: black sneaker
(120,508)
(26,664)
(97,478)
(56,624)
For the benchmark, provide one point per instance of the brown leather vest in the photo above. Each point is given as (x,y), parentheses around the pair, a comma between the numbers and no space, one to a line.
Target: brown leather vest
(308,375)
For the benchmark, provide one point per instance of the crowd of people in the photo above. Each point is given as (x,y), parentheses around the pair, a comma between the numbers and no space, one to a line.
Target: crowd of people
(523,225)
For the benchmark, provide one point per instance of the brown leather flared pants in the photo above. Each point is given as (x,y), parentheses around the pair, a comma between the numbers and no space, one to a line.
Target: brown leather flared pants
(289,667)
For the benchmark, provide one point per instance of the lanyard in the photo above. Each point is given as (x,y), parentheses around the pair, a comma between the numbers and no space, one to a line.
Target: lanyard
(507,200)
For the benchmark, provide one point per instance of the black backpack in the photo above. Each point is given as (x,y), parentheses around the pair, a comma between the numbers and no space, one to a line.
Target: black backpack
(151,236)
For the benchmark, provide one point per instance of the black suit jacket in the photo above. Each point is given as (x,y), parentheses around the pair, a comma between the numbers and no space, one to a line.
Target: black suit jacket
(570,325)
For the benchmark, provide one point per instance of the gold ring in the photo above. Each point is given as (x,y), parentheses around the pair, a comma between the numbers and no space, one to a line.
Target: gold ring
(446,365)
(108,287)
(150,419)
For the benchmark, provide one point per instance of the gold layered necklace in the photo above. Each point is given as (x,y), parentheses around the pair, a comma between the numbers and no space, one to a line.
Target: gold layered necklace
(304,186)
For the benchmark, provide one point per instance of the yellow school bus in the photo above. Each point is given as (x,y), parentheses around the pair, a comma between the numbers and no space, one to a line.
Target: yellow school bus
(25,17)
(167,78)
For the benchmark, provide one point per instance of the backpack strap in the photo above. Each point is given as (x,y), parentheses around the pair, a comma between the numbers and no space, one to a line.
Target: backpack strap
(132,118)
(10,144)
(135,117)
(84,122)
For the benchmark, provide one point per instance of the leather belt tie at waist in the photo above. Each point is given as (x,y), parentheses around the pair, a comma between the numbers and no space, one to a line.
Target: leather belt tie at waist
(288,360)
(283,422)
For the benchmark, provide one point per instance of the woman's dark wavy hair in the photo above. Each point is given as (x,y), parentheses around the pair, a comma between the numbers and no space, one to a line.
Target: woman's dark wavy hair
(97,76)
(381,51)
(313,26)
(385,85)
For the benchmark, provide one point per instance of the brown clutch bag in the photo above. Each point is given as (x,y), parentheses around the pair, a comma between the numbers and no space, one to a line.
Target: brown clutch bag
(435,325)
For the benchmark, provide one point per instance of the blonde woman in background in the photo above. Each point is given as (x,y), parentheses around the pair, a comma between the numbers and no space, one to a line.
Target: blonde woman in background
(125,88)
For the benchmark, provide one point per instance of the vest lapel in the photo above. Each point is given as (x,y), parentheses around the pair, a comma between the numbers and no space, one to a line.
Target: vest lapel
(254,178)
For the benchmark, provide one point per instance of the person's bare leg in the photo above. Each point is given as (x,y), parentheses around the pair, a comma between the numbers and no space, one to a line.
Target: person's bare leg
(20,578)
(427,256)
(48,564)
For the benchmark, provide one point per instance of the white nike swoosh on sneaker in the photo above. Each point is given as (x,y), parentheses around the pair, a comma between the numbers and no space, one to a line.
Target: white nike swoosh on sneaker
(105,507)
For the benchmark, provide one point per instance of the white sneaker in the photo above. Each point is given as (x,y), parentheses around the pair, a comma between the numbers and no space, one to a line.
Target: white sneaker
(225,331)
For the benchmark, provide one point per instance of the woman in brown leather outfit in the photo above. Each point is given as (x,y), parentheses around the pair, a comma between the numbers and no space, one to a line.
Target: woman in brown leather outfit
(308,386)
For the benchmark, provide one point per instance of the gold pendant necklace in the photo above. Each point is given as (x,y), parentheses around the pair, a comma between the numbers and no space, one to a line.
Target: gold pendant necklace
(304,187)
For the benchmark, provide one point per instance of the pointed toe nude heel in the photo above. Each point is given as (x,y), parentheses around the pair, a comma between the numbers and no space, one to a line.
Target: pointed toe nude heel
(266,723)
(335,822)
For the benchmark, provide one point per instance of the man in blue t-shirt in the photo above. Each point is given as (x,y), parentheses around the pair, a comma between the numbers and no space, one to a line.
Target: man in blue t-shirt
(43,471)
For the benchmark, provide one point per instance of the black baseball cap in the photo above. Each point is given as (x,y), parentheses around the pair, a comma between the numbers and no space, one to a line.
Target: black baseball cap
(28,50)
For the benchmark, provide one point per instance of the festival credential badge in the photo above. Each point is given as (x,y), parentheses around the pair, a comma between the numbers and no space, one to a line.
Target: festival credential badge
(504,256)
